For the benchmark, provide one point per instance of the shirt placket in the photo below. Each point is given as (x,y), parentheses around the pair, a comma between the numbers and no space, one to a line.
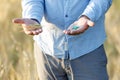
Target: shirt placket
(66,10)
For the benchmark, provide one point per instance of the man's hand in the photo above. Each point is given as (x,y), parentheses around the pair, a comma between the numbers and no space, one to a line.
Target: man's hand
(79,26)
(30,27)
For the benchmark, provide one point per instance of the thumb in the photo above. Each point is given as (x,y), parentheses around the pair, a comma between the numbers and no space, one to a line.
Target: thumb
(90,23)
(18,20)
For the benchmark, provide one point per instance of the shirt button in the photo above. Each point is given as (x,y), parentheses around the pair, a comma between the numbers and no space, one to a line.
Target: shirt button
(66,15)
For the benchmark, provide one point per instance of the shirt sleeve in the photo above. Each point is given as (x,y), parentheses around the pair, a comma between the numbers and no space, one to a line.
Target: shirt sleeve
(33,9)
(96,9)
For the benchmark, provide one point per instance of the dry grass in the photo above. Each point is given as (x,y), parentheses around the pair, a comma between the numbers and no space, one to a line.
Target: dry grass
(113,41)
(16,57)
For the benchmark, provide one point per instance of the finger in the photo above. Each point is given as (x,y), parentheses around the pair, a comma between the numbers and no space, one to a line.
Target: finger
(66,32)
(18,21)
(69,32)
(28,32)
(90,23)
(36,32)
(76,32)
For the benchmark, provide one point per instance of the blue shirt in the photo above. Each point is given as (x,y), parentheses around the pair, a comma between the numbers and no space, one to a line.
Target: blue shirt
(58,16)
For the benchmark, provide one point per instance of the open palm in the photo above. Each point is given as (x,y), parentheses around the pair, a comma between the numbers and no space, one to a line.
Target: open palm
(30,27)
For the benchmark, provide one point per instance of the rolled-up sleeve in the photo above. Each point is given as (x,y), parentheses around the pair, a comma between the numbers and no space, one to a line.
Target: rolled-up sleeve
(97,8)
(33,9)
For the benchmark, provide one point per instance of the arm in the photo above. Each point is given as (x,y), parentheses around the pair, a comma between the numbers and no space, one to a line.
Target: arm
(94,10)
(33,9)
(97,8)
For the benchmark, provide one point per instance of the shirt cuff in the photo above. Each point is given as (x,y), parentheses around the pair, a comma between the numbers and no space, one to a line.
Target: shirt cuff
(35,20)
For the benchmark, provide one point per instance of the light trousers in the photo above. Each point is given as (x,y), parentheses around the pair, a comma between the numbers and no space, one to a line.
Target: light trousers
(91,66)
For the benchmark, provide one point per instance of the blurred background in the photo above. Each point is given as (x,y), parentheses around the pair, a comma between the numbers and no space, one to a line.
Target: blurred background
(16,48)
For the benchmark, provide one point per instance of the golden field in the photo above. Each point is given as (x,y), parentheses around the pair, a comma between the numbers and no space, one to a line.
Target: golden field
(16,48)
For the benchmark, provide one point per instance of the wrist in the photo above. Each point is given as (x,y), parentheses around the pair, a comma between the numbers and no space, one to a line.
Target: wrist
(84,16)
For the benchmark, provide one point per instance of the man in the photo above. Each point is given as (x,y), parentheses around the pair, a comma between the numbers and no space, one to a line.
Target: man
(66,47)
